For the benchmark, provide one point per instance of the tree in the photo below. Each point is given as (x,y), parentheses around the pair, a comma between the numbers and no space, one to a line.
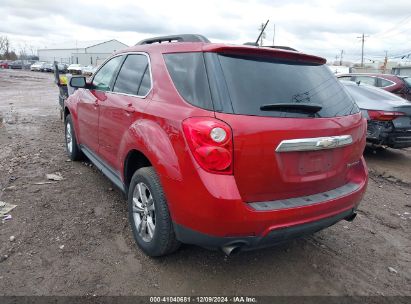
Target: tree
(11,55)
(5,51)
(4,45)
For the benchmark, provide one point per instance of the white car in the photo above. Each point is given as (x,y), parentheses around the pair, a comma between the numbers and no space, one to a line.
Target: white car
(88,70)
(77,68)
(37,66)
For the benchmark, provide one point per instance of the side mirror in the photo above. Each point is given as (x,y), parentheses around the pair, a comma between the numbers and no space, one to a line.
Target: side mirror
(78,82)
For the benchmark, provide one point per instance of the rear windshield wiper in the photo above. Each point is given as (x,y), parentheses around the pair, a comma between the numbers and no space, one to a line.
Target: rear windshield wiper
(305,107)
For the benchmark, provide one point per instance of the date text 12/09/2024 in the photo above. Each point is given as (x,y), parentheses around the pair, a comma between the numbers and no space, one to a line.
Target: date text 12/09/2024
(202,299)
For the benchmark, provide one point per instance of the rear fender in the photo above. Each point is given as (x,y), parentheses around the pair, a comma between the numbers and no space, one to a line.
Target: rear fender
(151,139)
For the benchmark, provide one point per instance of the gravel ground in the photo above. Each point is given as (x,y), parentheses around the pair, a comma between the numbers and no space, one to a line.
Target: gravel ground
(72,237)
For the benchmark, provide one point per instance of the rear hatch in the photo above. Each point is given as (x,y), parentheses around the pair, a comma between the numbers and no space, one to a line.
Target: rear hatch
(271,97)
(274,100)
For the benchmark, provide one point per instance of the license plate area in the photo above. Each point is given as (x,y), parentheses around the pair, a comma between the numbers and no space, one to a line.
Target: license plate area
(309,165)
(402,123)
(315,162)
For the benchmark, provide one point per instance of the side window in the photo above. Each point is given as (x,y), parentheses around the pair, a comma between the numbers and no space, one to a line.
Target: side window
(382,83)
(103,79)
(145,83)
(134,76)
(367,80)
(188,72)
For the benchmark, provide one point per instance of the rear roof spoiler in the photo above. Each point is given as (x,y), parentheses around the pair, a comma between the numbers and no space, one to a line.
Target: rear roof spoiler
(175,38)
(279,53)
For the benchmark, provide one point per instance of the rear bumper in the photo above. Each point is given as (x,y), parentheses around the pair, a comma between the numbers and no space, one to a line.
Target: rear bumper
(277,236)
(384,133)
(215,214)
(396,140)
(399,140)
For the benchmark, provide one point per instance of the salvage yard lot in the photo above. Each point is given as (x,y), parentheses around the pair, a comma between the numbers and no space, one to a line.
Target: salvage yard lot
(72,237)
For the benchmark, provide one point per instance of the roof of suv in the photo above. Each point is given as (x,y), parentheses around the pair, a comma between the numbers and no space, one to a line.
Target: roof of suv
(166,46)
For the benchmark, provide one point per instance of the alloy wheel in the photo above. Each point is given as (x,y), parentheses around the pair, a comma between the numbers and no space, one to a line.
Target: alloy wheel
(144,212)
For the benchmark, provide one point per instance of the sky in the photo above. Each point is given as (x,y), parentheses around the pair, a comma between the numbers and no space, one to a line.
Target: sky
(317,27)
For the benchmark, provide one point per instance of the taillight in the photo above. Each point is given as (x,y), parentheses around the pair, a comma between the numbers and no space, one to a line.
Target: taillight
(211,143)
(384,115)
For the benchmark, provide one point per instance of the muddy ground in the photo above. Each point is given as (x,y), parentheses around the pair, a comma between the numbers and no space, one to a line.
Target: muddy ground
(72,237)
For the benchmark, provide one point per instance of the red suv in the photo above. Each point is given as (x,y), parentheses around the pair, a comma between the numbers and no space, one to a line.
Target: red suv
(222,146)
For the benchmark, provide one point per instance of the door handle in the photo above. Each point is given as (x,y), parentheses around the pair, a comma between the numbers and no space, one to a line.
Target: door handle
(130,109)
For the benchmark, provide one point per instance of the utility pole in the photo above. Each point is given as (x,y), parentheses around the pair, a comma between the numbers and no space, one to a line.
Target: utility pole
(385,61)
(362,48)
(274,35)
(341,56)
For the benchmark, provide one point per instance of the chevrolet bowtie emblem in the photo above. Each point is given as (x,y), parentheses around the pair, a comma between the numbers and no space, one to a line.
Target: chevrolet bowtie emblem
(313,144)
(327,142)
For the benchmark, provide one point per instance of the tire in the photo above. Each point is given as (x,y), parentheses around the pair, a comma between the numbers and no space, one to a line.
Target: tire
(72,147)
(147,203)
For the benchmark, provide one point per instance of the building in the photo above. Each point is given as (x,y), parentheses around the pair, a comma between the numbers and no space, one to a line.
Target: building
(81,52)
(402,70)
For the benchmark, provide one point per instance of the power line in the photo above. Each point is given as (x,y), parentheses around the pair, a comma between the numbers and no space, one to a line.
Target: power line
(391,28)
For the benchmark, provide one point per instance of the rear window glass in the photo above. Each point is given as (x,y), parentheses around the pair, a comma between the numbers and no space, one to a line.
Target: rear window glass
(189,76)
(385,83)
(255,82)
(246,85)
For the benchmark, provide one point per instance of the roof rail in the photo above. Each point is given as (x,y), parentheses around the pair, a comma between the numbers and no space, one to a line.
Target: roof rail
(175,38)
(282,47)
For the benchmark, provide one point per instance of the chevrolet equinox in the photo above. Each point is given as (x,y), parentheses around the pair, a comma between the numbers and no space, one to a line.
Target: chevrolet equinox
(222,146)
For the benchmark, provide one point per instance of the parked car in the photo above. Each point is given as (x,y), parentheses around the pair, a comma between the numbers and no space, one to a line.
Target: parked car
(20,64)
(88,70)
(75,67)
(231,147)
(4,64)
(388,116)
(407,81)
(387,82)
(37,66)
(47,67)
(62,67)
(17,64)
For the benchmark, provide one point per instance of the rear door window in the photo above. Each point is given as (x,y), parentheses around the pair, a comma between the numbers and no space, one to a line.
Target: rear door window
(134,76)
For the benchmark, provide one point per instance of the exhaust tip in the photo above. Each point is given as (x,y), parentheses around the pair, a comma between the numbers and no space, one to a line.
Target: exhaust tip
(351,217)
(232,248)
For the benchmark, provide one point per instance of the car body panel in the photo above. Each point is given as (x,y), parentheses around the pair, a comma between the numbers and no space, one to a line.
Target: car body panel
(263,174)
